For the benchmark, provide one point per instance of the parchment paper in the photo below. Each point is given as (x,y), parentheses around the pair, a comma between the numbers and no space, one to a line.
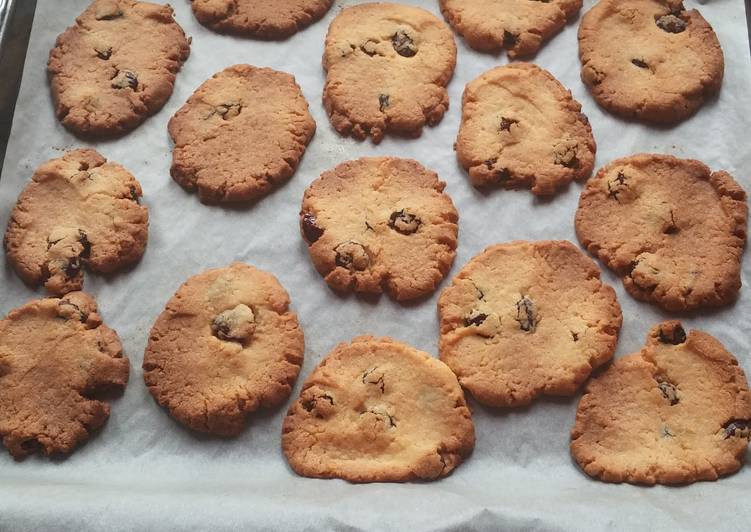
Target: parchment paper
(144,471)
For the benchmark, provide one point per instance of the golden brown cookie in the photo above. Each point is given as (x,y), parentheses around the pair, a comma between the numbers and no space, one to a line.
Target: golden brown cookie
(520,26)
(56,358)
(672,228)
(522,128)
(676,412)
(240,134)
(649,59)
(525,319)
(380,223)
(387,67)
(78,211)
(377,410)
(225,345)
(116,66)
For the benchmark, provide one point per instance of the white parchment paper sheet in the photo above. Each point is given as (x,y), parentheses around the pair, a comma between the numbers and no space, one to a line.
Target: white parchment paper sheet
(144,471)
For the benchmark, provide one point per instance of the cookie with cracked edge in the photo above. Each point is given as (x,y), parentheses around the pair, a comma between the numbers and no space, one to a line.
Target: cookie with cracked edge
(377,410)
(115,66)
(380,224)
(650,60)
(387,67)
(526,319)
(78,212)
(504,140)
(519,26)
(672,228)
(676,412)
(225,345)
(240,134)
(57,359)
(268,19)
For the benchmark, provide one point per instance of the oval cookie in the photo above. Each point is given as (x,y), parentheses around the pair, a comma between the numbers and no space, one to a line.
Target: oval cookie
(50,380)
(673,229)
(676,412)
(521,128)
(240,134)
(116,66)
(380,223)
(377,410)
(525,319)
(225,345)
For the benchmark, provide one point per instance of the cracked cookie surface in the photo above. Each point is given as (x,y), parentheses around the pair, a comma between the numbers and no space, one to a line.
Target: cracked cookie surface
(56,359)
(240,134)
(672,228)
(225,345)
(676,412)
(377,410)
(387,67)
(79,211)
(519,26)
(380,224)
(651,60)
(525,319)
(521,128)
(116,66)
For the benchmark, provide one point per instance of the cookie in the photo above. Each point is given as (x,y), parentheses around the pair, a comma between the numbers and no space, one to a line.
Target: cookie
(676,412)
(116,66)
(265,19)
(673,229)
(519,26)
(376,410)
(526,319)
(380,224)
(240,134)
(650,60)
(225,345)
(521,128)
(78,211)
(56,359)
(387,67)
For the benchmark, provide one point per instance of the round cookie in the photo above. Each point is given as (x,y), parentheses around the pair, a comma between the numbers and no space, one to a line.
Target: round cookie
(525,319)
(225,345)
(380,223)
(50,380)
(265,19)
(674,230)
(376,410)
(387,67)
(240,134)
(116,66)
(78,211)
(649,59)
(676,412)
(522,128)
(520,26)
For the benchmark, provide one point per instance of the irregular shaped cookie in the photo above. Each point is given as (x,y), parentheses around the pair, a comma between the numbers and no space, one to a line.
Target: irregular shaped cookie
(525,319)
(674,230)
(649,59)
(116,66)
(56,358)
(78,211)
(387,67)
(377,410)
(266,19)
(225,345)
(240,134)
(676,412)
(521,128)
(520,26)
(380,223)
